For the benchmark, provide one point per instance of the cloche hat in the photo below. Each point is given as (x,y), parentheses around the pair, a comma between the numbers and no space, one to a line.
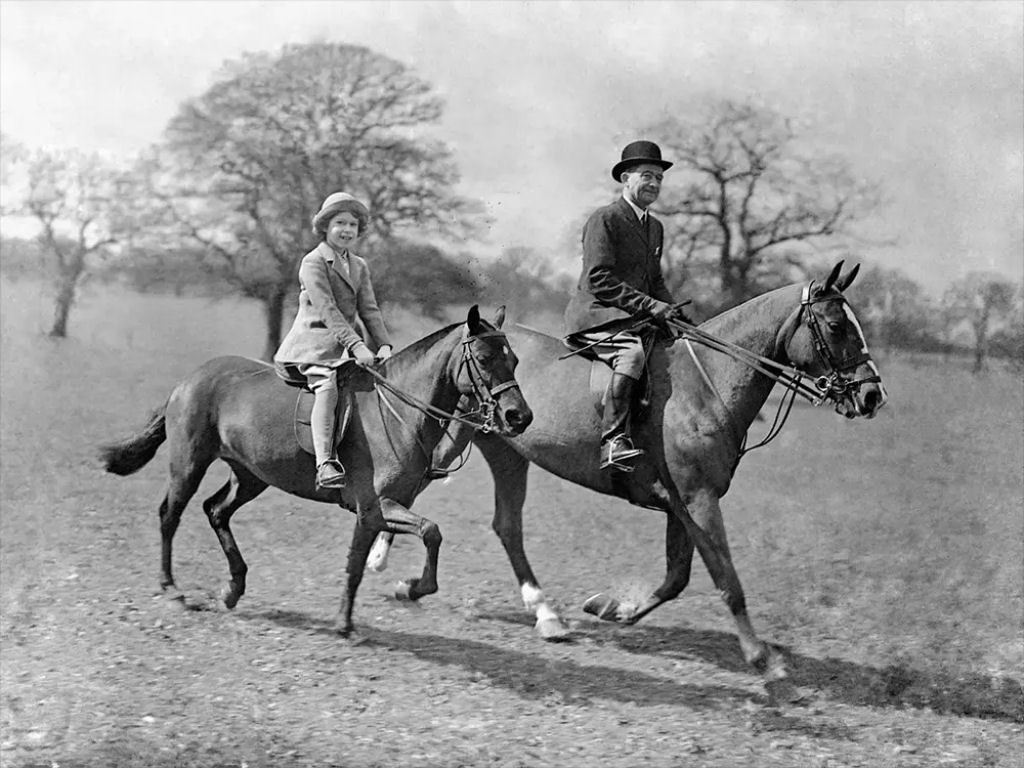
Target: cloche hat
(334,204)
(638,153)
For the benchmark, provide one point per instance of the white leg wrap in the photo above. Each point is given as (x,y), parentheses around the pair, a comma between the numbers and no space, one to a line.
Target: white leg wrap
(535,601)
(377,560)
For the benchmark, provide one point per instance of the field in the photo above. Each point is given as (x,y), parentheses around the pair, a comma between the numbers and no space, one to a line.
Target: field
(886,558)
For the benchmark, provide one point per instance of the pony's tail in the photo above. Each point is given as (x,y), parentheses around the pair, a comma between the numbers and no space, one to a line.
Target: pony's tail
(133,453)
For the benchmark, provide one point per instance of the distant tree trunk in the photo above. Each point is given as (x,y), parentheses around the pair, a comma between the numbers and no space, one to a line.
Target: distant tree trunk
(273,310)
(62,308)
(980,351)
(980,340)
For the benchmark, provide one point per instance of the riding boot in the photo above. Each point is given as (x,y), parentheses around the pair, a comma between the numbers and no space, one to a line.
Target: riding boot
(329,471)
(616,447)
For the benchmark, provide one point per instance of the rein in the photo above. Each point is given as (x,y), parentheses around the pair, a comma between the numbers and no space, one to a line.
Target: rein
(484,394)
(831,386)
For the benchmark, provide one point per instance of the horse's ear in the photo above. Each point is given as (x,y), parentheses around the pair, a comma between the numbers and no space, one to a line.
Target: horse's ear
(473,320)
(844,282)
(499,317)
(832,277)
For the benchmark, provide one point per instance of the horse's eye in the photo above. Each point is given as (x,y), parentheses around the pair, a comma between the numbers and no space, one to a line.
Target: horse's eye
(836,326)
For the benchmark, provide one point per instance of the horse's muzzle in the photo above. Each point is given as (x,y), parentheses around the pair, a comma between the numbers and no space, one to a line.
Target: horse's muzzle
(516,419)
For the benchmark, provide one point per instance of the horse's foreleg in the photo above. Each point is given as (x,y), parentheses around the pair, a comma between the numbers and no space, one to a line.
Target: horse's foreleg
(400,519)
(362,539)
(242,487)
(510,470)
(708,532)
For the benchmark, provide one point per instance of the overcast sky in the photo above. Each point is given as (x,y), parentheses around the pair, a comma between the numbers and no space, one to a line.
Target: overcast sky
(927,98)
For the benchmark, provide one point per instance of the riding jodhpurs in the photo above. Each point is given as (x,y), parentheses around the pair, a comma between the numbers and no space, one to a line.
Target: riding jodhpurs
(323,381)
(624,351)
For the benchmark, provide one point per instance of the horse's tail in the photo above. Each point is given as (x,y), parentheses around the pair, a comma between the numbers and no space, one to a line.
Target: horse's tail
(133,453)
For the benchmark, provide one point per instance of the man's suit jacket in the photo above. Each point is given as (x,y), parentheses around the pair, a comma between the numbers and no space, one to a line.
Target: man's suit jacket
(621,269)
(324,330)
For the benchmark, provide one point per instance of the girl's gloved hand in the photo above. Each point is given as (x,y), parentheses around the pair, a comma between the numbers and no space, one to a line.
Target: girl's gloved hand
(362,354)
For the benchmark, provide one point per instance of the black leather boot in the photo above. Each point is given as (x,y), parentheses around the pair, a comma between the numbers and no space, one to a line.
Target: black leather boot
(616,447)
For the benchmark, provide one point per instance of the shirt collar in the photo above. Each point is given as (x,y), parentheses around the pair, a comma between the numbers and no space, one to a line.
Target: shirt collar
(636,209)
(330,254)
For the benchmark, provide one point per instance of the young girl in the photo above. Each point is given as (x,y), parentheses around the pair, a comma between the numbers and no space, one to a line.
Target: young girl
(335,289)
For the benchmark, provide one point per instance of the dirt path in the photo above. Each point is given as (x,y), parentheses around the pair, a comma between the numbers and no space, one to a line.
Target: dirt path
(99,670)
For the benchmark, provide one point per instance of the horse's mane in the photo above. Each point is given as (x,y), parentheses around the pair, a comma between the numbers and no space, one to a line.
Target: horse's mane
(432,338)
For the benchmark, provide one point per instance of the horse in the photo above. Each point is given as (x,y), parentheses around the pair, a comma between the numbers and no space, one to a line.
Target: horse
(706,391)
(240,411)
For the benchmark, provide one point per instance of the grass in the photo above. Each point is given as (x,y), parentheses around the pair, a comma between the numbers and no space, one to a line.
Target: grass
(897,543)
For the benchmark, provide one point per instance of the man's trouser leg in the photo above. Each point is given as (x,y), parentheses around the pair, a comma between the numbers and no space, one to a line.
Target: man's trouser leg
(624,352)
(616,446)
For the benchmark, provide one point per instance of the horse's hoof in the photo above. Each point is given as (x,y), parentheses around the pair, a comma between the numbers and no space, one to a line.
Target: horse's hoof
(603,606)
(553,629)
(349,634)
(775,667)
(175,602)
(229,597)
(403,591)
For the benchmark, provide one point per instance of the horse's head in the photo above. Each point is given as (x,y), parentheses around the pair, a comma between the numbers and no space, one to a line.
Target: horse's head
(486,372)
(824,339)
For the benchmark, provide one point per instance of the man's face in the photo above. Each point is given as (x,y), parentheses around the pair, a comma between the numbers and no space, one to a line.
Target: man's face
(643,183)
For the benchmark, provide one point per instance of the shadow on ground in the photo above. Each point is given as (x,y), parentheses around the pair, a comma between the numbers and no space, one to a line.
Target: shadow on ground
(894,686)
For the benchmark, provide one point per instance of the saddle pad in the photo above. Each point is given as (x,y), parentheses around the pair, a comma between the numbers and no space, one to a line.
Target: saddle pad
(303,409)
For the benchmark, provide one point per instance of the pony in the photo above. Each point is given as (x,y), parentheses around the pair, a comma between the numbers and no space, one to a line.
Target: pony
(707,389)
(238,410)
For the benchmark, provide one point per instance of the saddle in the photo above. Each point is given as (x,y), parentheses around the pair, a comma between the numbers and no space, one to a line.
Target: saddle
(601,372)
(351,379)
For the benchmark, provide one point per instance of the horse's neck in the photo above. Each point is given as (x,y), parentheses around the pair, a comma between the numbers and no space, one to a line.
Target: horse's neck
(754,326)
(429,377)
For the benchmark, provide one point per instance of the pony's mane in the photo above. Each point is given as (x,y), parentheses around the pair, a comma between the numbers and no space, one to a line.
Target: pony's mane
(431,339)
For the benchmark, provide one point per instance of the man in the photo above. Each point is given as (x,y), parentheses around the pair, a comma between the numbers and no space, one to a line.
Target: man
(621,284)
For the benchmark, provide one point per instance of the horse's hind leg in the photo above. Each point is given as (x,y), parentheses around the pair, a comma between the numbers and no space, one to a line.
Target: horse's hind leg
(679,562)
(400,519)
(186,472)
(510,471)
(242,487)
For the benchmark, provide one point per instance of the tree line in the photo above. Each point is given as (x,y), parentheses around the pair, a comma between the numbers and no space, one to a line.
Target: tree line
(221,205)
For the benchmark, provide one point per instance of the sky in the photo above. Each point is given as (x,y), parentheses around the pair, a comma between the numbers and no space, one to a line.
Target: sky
(925,98)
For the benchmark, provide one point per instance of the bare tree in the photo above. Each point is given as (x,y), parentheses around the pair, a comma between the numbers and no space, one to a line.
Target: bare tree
(984,300)
(245,164)
(76,200)
(751,199)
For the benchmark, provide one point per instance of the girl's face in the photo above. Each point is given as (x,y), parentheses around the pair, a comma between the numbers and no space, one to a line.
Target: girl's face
(342,230)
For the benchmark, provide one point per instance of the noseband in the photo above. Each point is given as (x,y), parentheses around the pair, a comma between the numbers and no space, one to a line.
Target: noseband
(834,385)
(485,394)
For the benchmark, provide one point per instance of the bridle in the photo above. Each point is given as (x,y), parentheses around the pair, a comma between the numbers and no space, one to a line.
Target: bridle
(834,385)
(484,393)
(483,418)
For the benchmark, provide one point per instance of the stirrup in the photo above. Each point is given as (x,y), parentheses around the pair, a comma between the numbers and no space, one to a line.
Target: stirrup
(614,459)
(338,480)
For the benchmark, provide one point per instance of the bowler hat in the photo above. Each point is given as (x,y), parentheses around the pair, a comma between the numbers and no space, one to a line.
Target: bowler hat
(336,203)
(639,153)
